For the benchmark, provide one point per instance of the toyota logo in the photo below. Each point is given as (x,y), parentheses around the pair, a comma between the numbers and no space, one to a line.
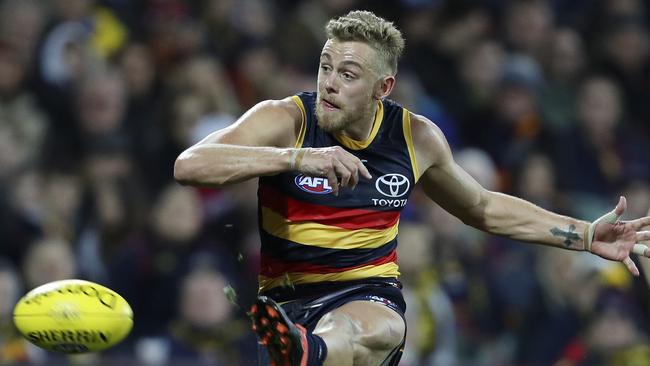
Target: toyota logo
(393,185)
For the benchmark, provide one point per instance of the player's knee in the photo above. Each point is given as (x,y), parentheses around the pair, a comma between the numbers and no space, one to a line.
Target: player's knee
(382,335)
(333,321)
(360,336)
(338,332)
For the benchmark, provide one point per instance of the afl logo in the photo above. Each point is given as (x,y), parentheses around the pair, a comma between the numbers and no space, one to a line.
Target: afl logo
(393,185)
(315,185)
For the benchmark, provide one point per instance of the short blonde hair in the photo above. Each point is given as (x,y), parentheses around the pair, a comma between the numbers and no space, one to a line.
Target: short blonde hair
(364,26)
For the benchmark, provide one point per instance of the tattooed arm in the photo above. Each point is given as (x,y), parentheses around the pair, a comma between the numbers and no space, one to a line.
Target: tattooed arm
(457,192)
(517,219)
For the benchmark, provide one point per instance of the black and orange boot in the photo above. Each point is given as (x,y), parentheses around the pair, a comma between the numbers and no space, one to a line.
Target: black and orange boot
(285,340)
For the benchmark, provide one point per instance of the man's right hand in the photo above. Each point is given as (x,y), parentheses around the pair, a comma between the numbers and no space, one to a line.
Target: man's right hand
(331,163)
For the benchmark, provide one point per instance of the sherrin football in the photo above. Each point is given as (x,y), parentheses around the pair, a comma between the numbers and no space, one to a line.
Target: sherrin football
(73,316)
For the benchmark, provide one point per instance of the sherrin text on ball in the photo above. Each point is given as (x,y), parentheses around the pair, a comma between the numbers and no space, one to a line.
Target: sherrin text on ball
(73,316)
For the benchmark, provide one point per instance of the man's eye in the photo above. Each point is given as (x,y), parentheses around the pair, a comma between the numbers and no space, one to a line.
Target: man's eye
(348,76)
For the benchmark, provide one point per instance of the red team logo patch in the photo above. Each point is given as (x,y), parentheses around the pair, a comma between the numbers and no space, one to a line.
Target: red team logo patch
(315,185)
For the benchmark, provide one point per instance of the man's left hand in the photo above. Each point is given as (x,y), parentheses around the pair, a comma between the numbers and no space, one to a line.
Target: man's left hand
(616,240)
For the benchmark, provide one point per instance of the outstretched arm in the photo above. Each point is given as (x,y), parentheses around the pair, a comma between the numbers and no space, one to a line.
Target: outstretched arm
(263,142)
(457,192)
(255,145)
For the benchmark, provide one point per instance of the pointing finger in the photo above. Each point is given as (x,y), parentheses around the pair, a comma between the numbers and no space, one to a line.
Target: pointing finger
(363,170)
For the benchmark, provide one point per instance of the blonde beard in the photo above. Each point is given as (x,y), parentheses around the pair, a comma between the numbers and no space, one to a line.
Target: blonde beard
(329,124)
(339,123)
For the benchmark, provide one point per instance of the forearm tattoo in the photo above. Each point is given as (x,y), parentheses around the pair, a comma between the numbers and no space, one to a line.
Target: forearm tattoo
(569,236)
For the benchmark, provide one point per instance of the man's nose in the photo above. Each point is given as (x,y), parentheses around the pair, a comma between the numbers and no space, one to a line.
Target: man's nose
(331,85)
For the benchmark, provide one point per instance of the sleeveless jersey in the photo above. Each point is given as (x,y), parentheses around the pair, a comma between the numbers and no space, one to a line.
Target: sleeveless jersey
(309,235)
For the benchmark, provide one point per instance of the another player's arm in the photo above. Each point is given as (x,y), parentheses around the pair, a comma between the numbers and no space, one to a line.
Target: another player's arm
(259,143)
(457,192)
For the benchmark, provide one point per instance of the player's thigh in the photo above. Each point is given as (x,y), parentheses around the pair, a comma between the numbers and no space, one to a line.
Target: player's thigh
(372,329)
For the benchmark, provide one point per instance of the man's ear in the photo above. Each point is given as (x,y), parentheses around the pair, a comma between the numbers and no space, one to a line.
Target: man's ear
(385,87)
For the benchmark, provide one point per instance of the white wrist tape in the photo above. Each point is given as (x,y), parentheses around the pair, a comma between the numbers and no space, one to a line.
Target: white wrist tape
(610,218)
(296,158)
(292,159)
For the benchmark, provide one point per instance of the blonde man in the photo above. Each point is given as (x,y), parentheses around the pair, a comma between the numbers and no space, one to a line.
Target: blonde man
(335,169)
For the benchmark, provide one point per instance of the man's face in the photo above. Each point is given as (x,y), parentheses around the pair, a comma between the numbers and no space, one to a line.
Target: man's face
(347,78)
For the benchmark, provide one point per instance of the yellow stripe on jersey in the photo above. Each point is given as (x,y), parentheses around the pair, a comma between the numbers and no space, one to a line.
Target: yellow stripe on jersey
(384,270)
(406,125)
(324,236)
(303,125)
(353,144)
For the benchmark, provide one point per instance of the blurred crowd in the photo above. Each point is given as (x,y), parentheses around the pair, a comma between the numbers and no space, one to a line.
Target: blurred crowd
(548,100)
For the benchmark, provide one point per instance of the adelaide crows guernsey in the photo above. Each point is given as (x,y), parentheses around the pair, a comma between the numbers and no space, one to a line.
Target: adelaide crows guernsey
(309,235)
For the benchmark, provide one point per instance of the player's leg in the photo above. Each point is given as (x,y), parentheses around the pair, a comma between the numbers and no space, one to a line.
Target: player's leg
(360,333)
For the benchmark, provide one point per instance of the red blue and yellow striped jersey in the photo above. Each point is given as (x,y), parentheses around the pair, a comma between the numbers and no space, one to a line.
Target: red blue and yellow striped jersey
(309,235)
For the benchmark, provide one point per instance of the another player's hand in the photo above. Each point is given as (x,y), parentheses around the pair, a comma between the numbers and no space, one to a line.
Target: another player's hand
(616,240)
(341,168)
